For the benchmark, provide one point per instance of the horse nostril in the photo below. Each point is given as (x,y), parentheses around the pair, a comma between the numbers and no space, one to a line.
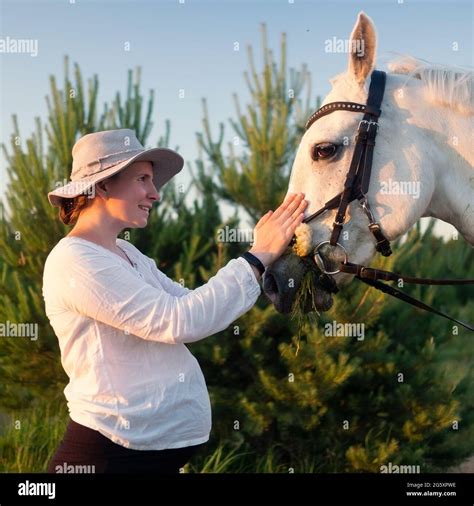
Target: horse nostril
(270,285)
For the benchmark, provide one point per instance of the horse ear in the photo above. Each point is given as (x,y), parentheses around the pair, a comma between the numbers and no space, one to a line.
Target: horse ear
(363,43)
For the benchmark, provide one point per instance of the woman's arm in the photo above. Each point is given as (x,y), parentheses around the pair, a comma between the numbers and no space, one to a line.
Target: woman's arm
(175,288)
(172,287)
(82,279)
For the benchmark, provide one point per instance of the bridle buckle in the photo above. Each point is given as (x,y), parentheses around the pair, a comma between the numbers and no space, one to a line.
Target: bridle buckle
(365,206)
(369,124)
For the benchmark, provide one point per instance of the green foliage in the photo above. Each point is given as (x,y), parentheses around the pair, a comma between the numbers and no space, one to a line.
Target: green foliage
(351,404)
(28,442)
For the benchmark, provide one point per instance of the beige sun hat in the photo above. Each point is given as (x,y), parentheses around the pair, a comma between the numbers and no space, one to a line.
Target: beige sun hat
(100,155)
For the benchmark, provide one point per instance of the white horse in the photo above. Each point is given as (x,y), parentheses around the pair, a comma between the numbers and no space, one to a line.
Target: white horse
(422,165)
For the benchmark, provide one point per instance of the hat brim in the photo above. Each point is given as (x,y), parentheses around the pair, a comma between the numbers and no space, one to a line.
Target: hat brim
(166,164)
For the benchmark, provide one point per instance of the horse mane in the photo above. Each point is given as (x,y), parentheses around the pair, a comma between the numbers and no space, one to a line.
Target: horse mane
(446,86)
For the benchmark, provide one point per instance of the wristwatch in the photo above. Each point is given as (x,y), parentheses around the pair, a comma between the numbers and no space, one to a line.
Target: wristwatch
(253,260)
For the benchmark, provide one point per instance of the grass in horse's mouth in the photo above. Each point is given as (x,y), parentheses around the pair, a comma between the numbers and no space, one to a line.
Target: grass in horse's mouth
(304,306)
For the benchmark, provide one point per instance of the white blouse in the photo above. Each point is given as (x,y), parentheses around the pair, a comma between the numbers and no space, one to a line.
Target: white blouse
(122,331)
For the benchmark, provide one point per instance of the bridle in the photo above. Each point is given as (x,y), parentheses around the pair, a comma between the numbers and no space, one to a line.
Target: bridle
(356,187)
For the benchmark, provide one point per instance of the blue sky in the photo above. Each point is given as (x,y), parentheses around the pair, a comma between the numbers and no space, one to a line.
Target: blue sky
(190,46)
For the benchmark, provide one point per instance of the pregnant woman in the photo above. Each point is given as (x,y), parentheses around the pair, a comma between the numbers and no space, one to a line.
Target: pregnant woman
(136,396)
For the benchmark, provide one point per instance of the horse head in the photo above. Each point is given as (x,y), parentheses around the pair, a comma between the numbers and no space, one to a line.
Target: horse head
(404,181)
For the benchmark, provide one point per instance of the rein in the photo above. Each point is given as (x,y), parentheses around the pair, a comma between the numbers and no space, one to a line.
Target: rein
(356,187)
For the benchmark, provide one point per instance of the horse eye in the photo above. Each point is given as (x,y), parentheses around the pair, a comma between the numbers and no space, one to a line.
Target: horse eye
(324,151)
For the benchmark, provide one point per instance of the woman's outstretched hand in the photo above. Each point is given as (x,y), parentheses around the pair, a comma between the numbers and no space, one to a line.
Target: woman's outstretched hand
(273,233)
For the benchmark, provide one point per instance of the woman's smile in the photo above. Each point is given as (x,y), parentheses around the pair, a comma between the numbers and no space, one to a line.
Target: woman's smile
(145,209)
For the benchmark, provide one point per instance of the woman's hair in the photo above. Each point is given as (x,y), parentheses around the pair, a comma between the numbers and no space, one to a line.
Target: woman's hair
(71,208)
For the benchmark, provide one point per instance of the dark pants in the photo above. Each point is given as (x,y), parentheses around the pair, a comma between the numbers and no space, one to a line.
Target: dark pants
(85,450)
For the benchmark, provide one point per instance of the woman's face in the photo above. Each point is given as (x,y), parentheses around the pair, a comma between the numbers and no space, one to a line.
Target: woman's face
(131,195)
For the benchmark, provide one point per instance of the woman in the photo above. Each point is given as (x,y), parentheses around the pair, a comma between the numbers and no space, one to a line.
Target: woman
(136,396)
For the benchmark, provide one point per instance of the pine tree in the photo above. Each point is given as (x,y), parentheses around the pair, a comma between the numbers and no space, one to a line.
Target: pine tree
(268,134)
